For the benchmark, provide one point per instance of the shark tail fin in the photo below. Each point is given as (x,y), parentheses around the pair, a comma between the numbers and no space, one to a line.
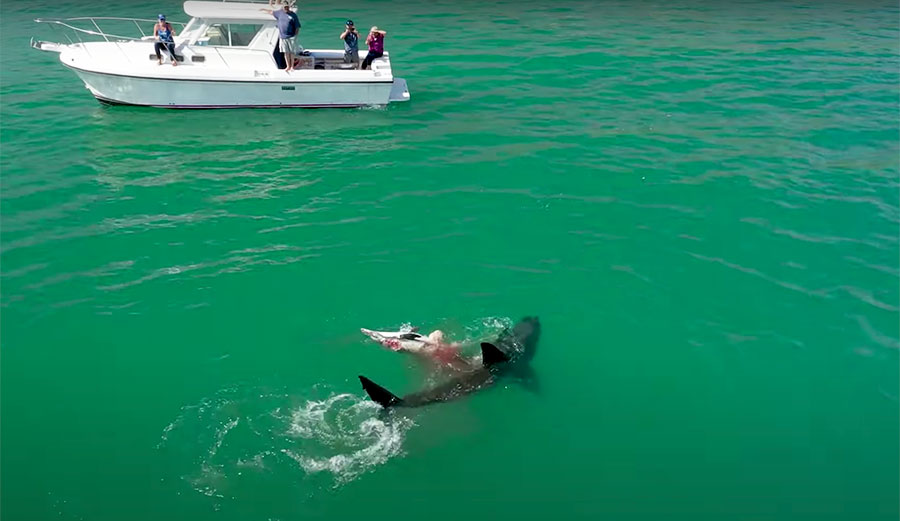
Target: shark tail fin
(379,394)
(491,354)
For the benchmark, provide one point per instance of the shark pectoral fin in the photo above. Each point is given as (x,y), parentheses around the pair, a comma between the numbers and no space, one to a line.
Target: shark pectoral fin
(379,394)
(491,354)
(527,378)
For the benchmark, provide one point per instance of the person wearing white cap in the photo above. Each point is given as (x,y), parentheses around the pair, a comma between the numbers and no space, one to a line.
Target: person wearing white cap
(375,41)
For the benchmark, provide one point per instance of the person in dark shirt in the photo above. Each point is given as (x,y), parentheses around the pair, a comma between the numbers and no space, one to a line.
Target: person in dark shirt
(288,28)
(351,43)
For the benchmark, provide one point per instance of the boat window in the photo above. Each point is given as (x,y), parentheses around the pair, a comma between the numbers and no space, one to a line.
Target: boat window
(236,35)
(242,34)
(216,34)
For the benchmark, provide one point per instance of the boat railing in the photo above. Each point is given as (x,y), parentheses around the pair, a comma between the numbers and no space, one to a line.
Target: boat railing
(269,2)
(95,21)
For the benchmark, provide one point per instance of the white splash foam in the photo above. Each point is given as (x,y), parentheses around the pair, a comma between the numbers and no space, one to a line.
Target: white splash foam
(221,433)
(348,425)
(486,329)
(340,436)
(387,443)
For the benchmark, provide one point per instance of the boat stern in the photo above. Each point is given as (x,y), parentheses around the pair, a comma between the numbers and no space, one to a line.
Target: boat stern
(399,91)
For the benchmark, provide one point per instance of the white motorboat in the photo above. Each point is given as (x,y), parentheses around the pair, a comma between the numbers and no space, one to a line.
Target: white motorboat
(226,59)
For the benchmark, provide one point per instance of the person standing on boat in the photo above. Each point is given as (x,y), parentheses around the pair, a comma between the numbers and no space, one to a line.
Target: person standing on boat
(375,41)
(165,36)
(288,28)
(351,44)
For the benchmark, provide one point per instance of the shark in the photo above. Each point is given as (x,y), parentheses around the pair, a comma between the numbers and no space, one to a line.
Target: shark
(509,356)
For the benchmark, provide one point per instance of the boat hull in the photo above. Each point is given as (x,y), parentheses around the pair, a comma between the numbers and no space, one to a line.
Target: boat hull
(207,94)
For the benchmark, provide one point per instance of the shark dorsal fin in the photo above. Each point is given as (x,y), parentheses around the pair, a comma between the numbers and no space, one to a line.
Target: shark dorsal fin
(379,394)
(491,354)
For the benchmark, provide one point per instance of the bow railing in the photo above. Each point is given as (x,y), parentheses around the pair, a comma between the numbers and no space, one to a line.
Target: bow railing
(90,25)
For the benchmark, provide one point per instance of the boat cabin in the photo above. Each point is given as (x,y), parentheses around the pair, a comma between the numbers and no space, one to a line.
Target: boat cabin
(229,24)
(243,27)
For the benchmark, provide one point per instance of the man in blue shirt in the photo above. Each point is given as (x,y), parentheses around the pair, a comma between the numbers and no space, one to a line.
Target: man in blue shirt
(288,28)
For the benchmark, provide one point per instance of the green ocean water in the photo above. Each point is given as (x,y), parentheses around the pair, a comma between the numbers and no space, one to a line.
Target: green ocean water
(700,201)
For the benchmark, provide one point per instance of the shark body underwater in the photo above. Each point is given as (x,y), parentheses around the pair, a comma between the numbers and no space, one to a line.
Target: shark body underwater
(509,356)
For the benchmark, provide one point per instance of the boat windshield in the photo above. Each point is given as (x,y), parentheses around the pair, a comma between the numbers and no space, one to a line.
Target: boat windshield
(232,35)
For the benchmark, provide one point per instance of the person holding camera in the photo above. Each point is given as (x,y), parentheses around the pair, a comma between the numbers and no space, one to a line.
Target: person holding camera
(375,41)
(351,44)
